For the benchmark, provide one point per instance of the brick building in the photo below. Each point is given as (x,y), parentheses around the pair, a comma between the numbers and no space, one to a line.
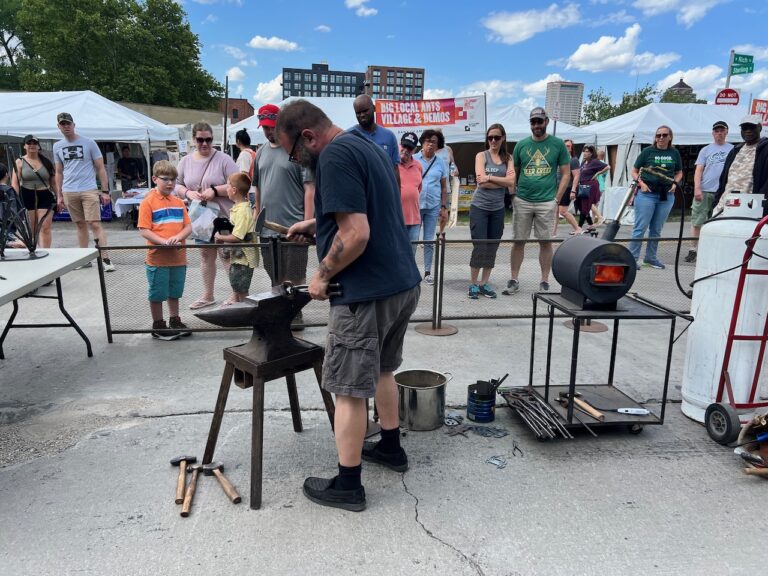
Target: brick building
(239,109)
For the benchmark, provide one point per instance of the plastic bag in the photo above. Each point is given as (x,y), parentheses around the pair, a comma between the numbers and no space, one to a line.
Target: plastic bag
(202,214)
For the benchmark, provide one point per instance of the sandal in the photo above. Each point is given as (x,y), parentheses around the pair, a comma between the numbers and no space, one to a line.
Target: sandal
(201,303)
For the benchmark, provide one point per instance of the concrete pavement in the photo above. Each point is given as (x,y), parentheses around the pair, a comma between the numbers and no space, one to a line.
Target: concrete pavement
(86,486)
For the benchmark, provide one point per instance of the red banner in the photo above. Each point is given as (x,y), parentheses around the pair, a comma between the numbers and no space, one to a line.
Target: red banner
(398,113)
(760,107)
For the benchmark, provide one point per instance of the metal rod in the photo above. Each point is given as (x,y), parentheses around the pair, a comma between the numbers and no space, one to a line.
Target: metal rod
(614,343)
(435,283)
(441,245)
(104,301)
(533,339)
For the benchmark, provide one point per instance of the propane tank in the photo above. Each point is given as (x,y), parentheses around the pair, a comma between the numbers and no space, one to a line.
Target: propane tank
(722,246)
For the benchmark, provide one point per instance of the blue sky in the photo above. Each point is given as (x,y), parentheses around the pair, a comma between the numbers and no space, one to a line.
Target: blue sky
(507,49)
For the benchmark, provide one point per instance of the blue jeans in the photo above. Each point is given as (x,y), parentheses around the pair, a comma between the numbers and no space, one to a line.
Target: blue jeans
(413,235)
(650,215)
(429,217)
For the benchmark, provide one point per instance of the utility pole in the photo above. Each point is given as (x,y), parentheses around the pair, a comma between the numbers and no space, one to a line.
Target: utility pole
(730,68)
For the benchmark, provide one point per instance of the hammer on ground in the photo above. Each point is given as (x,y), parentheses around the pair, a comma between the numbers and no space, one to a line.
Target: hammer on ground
(585,406)
(181,462)
(190,493)
(262,222)
(217,469)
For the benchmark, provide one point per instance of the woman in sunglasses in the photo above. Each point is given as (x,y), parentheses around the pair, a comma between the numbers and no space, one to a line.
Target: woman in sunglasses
(655,193)
(495,174)
(203,177)
(34,180)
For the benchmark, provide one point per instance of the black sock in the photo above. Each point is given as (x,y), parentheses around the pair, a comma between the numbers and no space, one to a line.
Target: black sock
(390,440)
(106,260)
(349,477)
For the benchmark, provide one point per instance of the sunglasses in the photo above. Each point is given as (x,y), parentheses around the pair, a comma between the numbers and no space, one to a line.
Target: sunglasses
(35,142)
(292,154)
(204,140)
(494,138)
(535,121)
(166,180)
(665,135)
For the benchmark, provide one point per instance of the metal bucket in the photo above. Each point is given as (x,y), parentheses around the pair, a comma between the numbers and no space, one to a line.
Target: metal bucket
(481,402)
(421,398)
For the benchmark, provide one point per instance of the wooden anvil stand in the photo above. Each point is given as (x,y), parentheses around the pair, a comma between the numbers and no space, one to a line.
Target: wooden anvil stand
(273,352)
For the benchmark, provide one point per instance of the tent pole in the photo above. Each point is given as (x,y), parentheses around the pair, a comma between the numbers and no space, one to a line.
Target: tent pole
(225,144)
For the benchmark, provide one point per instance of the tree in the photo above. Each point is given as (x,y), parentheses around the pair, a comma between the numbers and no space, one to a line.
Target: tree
(677,98)
(598,107)
(10,45)
(635,100)
(142,52)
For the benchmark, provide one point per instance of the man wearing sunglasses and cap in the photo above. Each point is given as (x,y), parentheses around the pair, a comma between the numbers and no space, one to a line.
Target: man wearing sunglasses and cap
(706,179)
(746,166)
(286,192)
(77,161)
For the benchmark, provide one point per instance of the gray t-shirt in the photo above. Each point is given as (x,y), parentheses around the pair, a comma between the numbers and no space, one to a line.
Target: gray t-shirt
(712,157)
(77,159)
(490,198)
(281,187)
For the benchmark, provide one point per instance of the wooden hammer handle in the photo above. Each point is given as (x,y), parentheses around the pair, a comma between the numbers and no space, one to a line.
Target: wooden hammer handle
(756,471)
(279,228)
(226,485)
(180,483)
(189,494)
(596,414)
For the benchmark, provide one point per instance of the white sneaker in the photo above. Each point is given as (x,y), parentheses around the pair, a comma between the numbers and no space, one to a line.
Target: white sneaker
(108,266)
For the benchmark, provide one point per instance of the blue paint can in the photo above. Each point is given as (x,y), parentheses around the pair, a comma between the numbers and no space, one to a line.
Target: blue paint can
(481,402)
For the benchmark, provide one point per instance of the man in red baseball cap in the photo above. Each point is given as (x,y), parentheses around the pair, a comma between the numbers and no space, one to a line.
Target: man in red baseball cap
(287,194)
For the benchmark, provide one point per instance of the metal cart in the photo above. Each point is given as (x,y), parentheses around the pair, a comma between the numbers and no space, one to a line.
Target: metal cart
(604,397)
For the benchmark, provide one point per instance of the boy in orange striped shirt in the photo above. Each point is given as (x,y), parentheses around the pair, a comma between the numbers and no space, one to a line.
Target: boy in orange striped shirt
(163,221)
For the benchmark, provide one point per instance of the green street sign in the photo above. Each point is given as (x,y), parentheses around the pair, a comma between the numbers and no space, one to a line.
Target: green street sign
(742,59)
(742,69)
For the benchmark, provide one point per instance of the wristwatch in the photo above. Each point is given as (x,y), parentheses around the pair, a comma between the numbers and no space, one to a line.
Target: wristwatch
(444,207)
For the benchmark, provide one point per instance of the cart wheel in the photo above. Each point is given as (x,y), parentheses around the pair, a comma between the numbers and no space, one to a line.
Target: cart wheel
(722,423)
(635,429)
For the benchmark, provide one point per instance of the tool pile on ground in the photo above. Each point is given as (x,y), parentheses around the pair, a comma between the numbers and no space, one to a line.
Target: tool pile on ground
(752,446)
(186,493)
(456,427)
(540,417)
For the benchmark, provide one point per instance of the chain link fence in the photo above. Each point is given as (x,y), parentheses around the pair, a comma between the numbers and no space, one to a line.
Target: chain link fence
(128,312)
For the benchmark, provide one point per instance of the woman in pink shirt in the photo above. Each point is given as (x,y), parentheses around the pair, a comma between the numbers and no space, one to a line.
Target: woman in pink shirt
(410,186)
(203,176)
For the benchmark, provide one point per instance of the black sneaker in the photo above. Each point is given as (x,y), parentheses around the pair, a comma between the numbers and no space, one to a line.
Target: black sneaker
(397,461)
(176,324)
(691,256)
(321,491)
(543,286)
(161,332)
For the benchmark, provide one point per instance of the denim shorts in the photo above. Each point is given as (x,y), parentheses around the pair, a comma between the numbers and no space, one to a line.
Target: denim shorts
(166,282)
(364,340)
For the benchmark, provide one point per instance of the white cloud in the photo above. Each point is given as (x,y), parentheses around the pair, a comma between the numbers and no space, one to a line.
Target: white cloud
(539,88)
(611,53)
(494,89)
(620,17)
(248,62)
(759,52)
(688,11)
(704,80)
(437,93)
(269,92)
(234,51)
(322,28)
(527,103)
(235,74)
(755,84)
(211,18)
(273,43)
(360,8)
(515,27)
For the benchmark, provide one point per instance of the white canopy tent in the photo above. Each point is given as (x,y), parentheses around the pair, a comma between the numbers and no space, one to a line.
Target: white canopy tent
(95,117)
(516,122)
(691,124)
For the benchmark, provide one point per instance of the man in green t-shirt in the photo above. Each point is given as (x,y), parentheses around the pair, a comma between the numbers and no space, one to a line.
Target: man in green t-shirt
(537,160)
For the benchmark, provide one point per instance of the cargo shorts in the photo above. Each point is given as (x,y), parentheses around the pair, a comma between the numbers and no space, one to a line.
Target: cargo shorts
(364,340)
(539,215)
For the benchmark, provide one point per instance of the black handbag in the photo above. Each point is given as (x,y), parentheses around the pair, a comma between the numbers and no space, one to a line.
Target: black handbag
(584,191)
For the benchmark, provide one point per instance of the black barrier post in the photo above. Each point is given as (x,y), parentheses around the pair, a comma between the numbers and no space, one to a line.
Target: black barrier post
(275,249)
(435,328)
(103,284)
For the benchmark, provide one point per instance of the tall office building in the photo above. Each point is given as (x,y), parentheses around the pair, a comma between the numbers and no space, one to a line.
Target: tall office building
(393,83)
(320,81)
(568,97)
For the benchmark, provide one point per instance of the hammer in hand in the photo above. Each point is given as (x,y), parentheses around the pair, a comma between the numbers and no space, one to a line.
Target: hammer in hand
(262,223)
(190,493)
(217,469)
(181,462)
